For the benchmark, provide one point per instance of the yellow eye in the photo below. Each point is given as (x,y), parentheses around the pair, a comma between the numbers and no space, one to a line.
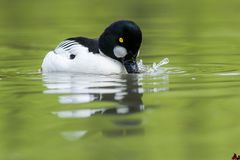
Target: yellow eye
(120,40)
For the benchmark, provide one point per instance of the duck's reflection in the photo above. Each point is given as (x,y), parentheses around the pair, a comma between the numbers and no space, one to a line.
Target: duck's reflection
(125,91)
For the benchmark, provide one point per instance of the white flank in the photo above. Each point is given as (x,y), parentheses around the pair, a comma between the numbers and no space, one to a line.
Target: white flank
(84,62)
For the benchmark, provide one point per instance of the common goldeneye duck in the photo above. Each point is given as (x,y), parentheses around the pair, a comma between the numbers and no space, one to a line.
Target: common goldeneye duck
(114,52)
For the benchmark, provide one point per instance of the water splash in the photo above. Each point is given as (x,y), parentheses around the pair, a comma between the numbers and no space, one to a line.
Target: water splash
(155,68)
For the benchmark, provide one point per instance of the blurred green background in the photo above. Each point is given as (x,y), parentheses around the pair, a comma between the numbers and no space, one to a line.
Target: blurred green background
(191,111)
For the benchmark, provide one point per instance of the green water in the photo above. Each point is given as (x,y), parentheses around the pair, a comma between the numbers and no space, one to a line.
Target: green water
(187,111)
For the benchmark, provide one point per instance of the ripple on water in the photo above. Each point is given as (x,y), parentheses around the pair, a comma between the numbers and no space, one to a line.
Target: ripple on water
(229,74)
(124,92)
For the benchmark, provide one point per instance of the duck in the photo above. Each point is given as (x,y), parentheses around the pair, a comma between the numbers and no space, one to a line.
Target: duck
(114,52)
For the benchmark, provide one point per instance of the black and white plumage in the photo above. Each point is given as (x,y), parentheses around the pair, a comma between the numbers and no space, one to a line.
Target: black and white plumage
(91,44)
(71,46)
(114,52)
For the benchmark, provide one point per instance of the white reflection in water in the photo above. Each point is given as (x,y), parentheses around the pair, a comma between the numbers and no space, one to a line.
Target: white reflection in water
(82,113)
(62,83)
(125,91)
(85,113)
(73,135)
(81,98)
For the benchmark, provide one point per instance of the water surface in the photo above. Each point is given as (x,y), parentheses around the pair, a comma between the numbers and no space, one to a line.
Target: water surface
(186,109)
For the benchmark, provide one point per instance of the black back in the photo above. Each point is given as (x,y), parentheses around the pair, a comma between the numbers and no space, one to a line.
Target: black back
(91,44)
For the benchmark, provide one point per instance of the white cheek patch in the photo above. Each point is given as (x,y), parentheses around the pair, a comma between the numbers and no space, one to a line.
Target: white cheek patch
(119,51)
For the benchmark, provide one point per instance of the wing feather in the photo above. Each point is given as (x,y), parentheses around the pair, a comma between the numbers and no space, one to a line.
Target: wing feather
(70,47)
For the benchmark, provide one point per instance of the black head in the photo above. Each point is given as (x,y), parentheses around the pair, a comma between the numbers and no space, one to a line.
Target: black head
(121,41)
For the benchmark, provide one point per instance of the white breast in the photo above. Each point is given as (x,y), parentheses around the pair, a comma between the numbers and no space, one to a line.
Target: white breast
(84,62)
